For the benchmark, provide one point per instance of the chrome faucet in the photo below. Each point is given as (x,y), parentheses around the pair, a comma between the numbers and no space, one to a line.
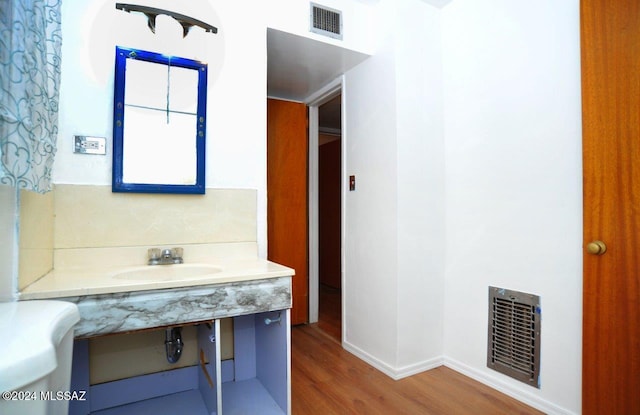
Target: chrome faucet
(165,256)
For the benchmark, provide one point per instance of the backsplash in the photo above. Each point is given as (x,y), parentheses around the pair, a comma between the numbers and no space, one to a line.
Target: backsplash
(36,236)
(93,216)
(76,217)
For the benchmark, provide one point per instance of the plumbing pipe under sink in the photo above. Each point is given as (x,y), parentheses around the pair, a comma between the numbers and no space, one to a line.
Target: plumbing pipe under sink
(173,344)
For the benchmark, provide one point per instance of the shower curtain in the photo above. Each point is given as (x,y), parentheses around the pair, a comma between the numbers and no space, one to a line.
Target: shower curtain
(30,58)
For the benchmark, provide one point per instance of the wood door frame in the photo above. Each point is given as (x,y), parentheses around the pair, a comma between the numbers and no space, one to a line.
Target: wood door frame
(314,101)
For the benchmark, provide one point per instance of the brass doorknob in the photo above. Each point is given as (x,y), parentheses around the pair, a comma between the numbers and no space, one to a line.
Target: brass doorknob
(596,248)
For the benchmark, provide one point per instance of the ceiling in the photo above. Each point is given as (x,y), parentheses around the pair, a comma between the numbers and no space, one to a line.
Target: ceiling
(298,66)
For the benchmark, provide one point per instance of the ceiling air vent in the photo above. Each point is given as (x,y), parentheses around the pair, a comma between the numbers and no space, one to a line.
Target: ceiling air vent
(514,335)
(326,21)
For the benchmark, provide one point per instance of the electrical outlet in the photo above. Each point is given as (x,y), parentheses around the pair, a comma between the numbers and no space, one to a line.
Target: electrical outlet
(83,144)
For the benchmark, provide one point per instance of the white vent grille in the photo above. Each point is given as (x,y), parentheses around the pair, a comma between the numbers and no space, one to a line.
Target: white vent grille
(326,21)
(514,335)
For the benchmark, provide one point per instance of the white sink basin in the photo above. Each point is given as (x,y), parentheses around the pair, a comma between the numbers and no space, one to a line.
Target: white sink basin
(168,272)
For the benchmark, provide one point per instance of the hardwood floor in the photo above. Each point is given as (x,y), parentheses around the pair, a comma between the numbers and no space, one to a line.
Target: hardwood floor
(326,379)
(330,311)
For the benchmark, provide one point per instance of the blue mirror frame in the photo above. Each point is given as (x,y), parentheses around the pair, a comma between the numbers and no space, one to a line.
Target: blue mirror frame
(118,185)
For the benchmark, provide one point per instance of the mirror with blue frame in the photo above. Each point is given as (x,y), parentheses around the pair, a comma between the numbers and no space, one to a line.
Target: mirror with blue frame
(159,123)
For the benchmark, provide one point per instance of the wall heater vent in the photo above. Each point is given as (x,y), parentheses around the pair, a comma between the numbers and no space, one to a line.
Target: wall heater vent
(326,21)
(514,335)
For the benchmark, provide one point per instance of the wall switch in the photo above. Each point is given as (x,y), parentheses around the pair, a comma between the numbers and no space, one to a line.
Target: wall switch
(83,144)
(352,183)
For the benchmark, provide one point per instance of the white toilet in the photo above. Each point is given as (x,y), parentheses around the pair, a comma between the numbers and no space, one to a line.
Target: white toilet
(36,355)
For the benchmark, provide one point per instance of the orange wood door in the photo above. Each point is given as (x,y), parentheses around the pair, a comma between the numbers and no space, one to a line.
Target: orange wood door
(610,44)
(287,217)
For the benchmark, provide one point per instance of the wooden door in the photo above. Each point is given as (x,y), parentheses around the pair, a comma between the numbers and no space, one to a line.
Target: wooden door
(287,183)
(610,43)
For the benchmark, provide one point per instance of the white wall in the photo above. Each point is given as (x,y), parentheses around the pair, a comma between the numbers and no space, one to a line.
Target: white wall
(292,16)
(8,242)
(237,58)
(370,285)
(464,136)
(236,134)
(394,226)
(513,182)
(420,187)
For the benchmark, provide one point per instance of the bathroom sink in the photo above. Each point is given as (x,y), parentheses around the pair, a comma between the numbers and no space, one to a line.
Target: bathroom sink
(168,272)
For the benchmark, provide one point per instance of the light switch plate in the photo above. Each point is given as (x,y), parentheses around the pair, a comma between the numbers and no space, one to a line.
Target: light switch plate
(83,144)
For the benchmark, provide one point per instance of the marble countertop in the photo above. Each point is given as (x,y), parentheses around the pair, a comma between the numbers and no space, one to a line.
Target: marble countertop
(72,282)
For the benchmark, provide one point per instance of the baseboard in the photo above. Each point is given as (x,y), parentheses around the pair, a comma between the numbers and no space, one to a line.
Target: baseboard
(493,382)
(393,372)
(504,387)
(419,367)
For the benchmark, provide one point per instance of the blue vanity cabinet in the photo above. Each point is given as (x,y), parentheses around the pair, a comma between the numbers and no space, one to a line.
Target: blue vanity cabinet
(262,369)
(258,378)
(184,390)
(256,381)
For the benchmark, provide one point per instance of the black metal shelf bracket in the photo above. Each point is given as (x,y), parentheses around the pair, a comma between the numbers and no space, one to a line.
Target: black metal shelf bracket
(151,12)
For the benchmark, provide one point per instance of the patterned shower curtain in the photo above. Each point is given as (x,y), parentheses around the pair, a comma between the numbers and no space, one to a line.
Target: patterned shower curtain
(30,58)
